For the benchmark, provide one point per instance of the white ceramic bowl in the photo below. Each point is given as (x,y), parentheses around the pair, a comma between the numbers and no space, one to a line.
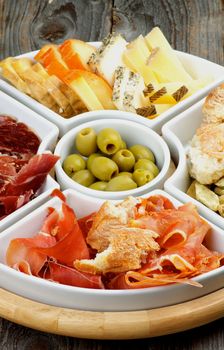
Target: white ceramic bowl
(178,133)
(48,134)
(132,133)
(99,300)
(195,65)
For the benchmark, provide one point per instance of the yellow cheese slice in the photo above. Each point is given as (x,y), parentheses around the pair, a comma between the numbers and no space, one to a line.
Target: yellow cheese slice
(86,94)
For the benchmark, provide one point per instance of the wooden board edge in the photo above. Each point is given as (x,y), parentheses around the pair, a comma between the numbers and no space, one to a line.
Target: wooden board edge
(112,325)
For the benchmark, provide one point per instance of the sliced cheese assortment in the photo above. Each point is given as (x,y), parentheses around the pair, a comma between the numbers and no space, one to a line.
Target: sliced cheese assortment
(144,76)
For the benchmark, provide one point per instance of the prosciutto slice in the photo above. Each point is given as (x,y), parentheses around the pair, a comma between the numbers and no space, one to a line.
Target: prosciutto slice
(22,186)
(70,276)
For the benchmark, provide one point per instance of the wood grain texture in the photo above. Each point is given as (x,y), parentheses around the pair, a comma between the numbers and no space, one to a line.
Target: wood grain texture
(194,26)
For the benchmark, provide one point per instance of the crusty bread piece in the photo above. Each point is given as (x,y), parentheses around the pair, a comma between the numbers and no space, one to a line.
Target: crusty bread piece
(128,248)
(213,109)
(206,154)
(121,247)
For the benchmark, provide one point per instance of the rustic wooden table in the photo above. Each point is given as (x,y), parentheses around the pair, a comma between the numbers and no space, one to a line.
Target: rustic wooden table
(194,26)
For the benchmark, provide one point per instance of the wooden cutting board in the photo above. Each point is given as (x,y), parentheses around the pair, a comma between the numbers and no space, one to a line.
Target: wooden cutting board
(112,325)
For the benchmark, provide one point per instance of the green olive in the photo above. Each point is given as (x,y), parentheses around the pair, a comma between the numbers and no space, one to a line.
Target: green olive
(147,165)
(123,144)
(84,177)
(109,141)
(73,163)
(141,151)
(142,176)
(99,186)
(121,183)
(125,173)
(90,159)
(85,142)
(104,168)
(124,159)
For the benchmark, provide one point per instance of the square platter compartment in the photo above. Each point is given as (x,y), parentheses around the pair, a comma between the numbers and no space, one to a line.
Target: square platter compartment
(196,66)
(178,133)
(48,134)
(60,295)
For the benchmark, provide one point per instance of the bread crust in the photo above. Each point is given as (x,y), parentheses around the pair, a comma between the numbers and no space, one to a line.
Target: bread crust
(213,108)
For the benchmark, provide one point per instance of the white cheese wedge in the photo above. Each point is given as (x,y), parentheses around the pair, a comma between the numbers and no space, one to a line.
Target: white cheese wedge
(121,77)
(133,95)
(108,57)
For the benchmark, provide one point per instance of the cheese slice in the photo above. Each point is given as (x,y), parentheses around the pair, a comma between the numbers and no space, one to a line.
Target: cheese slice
(8,72)
(120,83)
(169,93)
(133,95)
(136,61)
(108,57)
(156,39)
(161,63)
(140,44)
(85,93)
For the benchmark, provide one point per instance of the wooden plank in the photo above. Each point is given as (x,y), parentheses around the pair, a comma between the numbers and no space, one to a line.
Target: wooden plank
(190,26)
(27,25)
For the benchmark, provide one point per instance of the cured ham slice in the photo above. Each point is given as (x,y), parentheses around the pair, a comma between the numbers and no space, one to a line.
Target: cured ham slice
(16,138)
(21,188)
(32,175)
(69,276)
(71,247)
(22,252)
(21,172)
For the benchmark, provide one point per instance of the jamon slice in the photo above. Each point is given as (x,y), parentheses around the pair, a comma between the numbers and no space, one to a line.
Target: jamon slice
(10,203)
(22,251)
(31,176)
(20,189)
(16,138)
(69,276)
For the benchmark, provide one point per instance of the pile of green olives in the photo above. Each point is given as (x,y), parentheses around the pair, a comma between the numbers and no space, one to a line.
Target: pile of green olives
(105,163)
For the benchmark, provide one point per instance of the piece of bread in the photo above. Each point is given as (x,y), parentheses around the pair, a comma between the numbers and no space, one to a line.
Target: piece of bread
(206,154)
(213,109)
(128,248)
(121,247)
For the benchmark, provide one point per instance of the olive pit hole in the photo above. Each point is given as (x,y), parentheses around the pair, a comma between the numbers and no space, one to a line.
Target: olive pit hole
(110,147)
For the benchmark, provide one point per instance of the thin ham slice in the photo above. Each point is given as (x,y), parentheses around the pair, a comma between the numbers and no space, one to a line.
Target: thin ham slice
(24,185)
(71,247)
(22,252)
(32,175)
(70,276)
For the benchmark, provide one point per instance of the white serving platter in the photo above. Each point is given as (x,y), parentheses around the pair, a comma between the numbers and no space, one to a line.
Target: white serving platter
(132,133)
(91,299)
(48,134)
(198,67)
(178,133)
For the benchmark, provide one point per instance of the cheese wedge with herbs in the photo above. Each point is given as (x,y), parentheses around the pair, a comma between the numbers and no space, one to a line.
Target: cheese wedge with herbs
(108,57)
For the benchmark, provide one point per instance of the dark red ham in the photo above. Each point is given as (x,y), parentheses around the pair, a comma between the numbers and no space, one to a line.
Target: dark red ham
(16,138)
